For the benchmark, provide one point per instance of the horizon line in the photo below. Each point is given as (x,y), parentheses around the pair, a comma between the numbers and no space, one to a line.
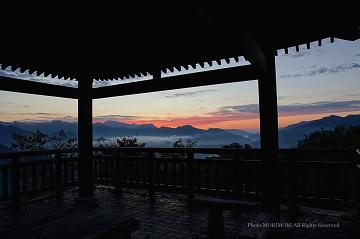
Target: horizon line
(174,127)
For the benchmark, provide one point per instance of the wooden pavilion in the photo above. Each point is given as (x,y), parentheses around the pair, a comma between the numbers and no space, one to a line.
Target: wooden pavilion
(149,47)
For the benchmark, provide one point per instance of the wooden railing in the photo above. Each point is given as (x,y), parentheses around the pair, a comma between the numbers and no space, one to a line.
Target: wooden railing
(178,170)
(315,176)
(27,174)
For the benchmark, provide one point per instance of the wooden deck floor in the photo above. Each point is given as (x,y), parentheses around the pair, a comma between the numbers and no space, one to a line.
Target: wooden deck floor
(169,216)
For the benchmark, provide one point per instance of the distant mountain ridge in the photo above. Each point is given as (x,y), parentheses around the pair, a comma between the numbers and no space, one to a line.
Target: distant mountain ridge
(7,130)
(290,135)
(46,127)
(212,137)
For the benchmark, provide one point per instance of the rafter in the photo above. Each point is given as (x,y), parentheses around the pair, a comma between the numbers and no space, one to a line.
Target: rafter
(229,75)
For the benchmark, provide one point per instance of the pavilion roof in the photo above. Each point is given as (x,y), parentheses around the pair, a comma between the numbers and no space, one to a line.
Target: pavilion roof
(137,44)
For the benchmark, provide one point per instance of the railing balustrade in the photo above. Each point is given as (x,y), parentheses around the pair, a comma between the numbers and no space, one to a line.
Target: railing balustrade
(306,175)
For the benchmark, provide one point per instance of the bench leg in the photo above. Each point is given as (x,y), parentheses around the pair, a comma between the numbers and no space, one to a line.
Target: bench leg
(215,223)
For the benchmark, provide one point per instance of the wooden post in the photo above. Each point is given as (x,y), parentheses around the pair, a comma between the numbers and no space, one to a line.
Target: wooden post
(65,172)
(151,189)
(166,183)
(118,170)
(357,183)
(269,133)
(106,169)
(208,176)
(85,137)
(51,175)
(5,182)
(174,183)
(237,174)
(358,190)
(24,179)
(34,177)
(190,170)
(43,176)
(72,171)
(58,176)
(292,184)
(15,191)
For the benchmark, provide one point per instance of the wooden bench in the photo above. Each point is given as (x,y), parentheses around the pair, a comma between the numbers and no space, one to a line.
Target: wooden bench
(216,206)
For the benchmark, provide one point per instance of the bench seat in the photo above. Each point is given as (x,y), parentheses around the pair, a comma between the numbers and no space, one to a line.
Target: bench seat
(216,206)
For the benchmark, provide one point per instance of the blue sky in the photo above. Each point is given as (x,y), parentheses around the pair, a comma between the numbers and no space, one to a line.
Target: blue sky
(311,84)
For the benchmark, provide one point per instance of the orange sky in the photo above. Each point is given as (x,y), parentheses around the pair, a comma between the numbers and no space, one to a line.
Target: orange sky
(230,122)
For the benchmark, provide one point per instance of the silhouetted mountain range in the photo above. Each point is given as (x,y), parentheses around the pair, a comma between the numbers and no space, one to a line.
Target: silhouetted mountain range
(6,130)
(46,127)
(212,137)
(289,136)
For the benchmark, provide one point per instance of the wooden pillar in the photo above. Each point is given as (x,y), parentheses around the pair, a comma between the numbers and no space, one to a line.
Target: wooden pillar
(269,133)
(357,182)
(190,175)
(151,186)
(15,183)
(85,137)
(58,176)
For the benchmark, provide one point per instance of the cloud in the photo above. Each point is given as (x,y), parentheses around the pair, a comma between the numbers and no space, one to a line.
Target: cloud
(235,109)
(115,117)
(298,54)
(41,113)
(238,113)
(70,117)
(352,95)
(319,107)
(284,97)
(67,118)
(34,114)
(186,94)
(293,109)
(7,102)
(318,70)
(222,115)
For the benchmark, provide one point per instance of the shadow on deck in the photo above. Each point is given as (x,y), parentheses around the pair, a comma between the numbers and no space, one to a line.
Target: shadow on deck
(168,216)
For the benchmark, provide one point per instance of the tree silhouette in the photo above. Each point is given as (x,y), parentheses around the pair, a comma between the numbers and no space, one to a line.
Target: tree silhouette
(236,146)
(40,141)
(181,144)
(119,143)
(339,137)
(233,146)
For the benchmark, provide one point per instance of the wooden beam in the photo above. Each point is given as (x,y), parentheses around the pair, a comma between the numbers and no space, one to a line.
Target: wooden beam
(36,88)
(229,75)
(252,51)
